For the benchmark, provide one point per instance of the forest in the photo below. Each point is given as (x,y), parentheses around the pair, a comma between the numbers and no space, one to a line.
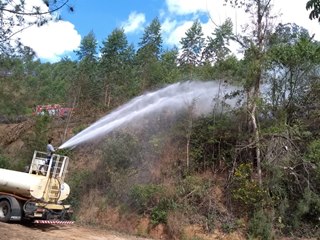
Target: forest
(253,169)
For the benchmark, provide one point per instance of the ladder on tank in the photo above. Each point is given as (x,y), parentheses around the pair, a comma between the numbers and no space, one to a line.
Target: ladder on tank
(55,171)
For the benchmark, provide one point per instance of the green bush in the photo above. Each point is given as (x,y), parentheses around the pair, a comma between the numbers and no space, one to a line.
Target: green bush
(121,151)
(4,162)
(146,197)
(79,185)
(308,209)
(151,199)
(245,190)
(159,214)
(260,226)
(313,157)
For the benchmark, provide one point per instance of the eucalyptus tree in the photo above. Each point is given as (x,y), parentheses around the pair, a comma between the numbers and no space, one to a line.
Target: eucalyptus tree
(115,67)
(148,55)
(17,15)
(192,46)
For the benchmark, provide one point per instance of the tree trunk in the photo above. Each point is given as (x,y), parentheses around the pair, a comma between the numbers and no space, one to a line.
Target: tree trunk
(256,139)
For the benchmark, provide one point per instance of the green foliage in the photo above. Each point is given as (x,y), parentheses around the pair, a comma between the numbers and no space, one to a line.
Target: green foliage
(314,6)
(121,152)
(307,209)
(148,56)
(192,191)
(4,162)
(211,141)
(79,183)
(88,47)
(292,59)
(313,157)
(192,46)
(169,71)
(217,46)
(115,68)
(150,45)
(40,138)
(260,226)
(152,199)
(245,190)
(159,214)
(228,227)
(146,197)
(313,154)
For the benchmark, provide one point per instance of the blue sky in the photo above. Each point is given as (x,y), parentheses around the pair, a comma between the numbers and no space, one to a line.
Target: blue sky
(58,39)
(103,16)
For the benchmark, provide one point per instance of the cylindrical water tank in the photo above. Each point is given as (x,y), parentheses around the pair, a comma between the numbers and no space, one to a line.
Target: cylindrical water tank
(28,185)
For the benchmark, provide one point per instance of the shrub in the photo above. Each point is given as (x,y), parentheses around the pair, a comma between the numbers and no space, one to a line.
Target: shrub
(159,214)
(121,151)
(245,190)
(146,197)
(260,226)
(152,199)
(78,182)
(308,209)
(4,162)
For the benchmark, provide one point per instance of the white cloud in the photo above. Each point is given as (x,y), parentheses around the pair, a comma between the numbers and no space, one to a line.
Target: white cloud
(182,7)
(174,30)
(174,35)
(134,23)
(51,40)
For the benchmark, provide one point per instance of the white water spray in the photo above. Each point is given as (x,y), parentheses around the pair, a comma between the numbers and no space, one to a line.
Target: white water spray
(201,95)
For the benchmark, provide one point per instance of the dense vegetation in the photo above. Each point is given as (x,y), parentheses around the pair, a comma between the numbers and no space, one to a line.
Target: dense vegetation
(264,155)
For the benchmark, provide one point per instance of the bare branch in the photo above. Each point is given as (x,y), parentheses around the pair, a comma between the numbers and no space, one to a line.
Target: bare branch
(36,13)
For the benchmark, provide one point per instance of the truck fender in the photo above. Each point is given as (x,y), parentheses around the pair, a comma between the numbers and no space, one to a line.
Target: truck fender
(16,209)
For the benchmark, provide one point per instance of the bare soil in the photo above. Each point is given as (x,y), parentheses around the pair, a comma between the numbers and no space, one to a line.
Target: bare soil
(17,231)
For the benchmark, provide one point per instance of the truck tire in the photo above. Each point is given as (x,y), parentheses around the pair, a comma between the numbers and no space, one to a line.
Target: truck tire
(5,211)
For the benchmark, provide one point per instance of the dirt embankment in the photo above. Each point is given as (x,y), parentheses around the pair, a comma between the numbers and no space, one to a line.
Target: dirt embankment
(14,231)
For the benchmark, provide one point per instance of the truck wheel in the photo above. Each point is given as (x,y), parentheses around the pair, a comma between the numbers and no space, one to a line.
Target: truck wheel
(5,211)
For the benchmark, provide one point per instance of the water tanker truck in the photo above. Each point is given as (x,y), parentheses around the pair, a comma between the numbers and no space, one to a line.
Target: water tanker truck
(36,195)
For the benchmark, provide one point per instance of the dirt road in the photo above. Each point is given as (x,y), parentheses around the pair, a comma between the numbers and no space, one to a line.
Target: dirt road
(14,231)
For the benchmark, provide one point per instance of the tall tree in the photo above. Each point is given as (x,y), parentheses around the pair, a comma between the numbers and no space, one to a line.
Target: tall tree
(89,89)
(17,15)
(148,54)
(217,45)
(192,47)
(115,66)
(88,48)
(255,43)
(150,45)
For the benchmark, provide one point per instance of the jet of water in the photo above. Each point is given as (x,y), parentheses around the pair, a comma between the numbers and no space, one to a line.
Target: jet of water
(201,95)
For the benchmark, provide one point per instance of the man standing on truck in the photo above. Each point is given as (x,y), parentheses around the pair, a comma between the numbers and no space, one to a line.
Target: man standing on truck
(50,150)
